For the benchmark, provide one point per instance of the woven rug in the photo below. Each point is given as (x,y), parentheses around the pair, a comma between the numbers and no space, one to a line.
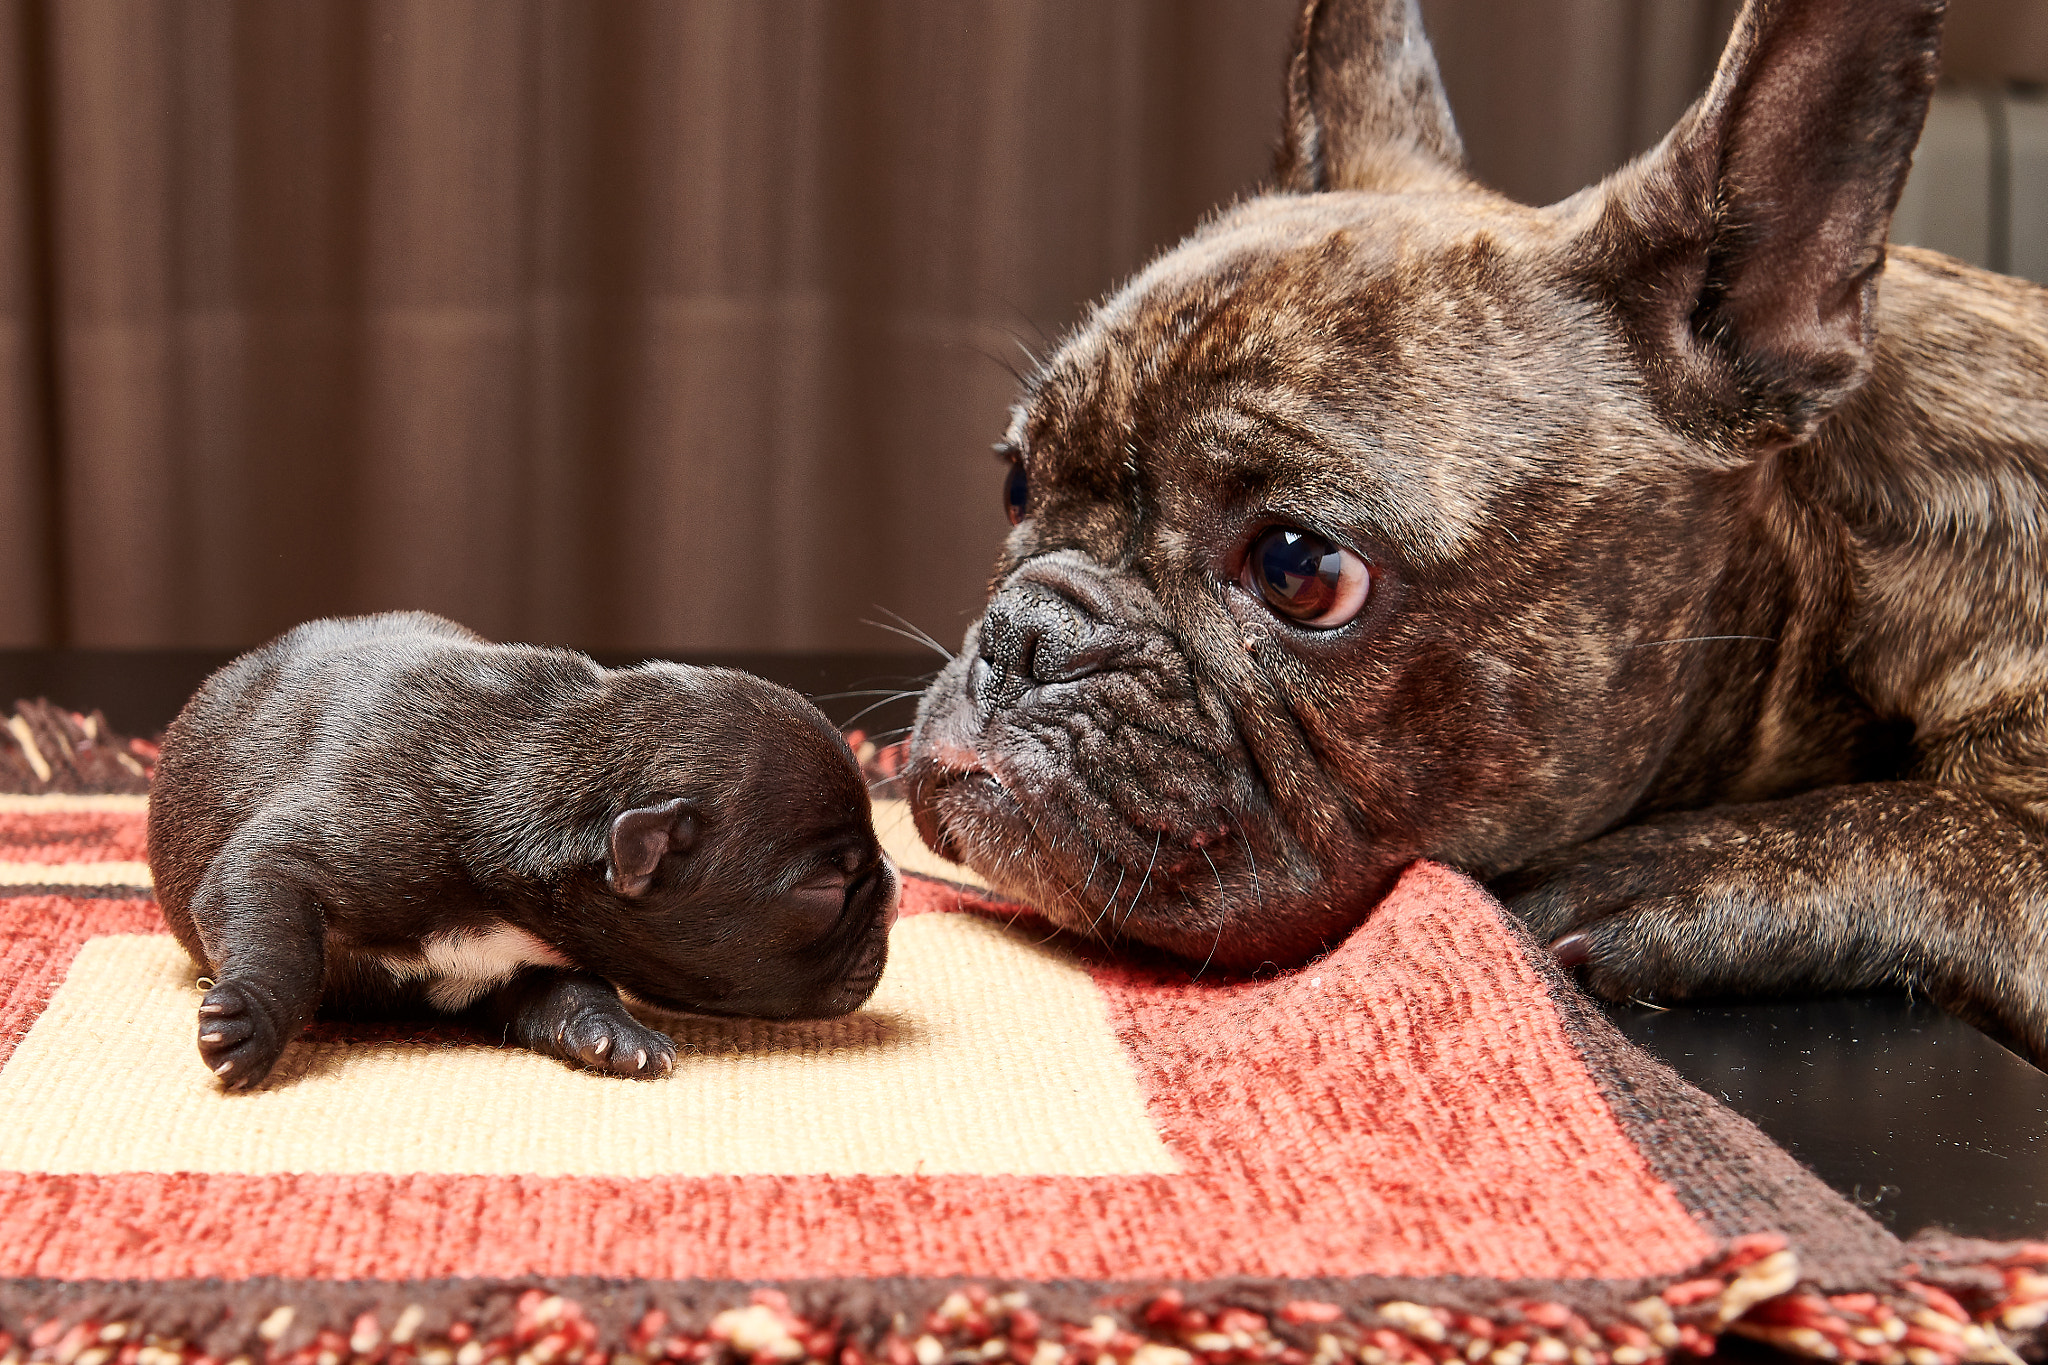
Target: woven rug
(1424,1147)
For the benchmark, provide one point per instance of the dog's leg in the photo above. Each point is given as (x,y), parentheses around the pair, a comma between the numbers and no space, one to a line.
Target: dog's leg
(262,928)
(1941,888)
(579,1018)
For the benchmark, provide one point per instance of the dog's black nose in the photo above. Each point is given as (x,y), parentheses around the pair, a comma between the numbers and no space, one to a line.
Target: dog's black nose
(1032,635)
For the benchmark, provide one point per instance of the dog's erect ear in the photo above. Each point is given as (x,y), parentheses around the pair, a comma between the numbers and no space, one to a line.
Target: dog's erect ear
(642,837)
(1744,250)
(1365,106)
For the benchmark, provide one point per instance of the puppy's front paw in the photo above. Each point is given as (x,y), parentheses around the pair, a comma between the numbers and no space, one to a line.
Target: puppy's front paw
(614,1042)
(240,1034)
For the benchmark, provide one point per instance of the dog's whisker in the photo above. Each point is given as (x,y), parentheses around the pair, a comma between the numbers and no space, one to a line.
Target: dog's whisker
(1703,639)
(883,737)
(1002,362)
(1214,873)
(1220,917)
(909,631)
(1139,894)
(1016,337)
(1037,868)
(1237,828)
(1069,892)
(1109,909)
(913,636)
(876,706)
(1072,893)
(889,692)
(1053,931)
(1037,865)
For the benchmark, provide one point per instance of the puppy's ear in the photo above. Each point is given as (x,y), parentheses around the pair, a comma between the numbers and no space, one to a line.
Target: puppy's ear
(642,837)
(1744,251)
(1365,106)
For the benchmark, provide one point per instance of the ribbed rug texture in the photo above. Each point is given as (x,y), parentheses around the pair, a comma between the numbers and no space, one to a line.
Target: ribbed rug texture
(1423,1147)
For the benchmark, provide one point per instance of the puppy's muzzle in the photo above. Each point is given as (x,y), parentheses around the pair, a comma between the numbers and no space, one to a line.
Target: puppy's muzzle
(1032,635)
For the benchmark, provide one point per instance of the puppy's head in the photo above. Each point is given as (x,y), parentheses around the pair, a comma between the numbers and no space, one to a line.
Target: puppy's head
(740,869)
(1360,527)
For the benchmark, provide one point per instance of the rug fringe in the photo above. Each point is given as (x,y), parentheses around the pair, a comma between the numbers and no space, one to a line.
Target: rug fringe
(1752,1291)
(45,748)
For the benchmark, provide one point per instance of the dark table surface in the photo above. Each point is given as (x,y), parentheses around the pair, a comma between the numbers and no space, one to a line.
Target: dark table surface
(1914,1114)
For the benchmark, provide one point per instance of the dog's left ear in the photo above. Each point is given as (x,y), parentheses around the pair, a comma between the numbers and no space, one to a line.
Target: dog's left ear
(1743,252)
(642,837)
(1365,105)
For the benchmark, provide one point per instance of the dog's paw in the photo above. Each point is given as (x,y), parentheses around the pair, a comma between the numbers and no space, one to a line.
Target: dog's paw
(241,1034)
(1640,951)
(614,1042)
(1648,953)
(1650,913)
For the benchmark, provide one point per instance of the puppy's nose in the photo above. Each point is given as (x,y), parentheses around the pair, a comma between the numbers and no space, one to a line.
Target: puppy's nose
(1032,635)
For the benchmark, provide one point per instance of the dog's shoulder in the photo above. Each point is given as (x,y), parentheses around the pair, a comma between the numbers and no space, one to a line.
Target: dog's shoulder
(1936,475)
(1948,438)
(1960,335)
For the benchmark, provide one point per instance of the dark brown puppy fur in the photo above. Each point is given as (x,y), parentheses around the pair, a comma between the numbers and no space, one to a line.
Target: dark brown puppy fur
(1709,612)
(388,813)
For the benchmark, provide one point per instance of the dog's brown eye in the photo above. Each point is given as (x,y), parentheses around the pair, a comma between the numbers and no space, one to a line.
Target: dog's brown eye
(1016,491)
(1307,577)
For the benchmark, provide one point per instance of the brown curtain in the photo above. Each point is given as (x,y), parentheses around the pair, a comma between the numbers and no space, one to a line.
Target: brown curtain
(1552,94)
(623,323)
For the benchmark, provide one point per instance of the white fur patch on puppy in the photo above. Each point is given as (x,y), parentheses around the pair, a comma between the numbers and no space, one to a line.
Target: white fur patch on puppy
(461,965)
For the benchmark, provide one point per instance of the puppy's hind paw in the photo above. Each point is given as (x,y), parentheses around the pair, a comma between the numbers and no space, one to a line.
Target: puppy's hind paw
(615,1043)
(240,1038)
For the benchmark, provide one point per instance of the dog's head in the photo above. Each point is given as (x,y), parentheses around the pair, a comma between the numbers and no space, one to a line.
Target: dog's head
(1354,529)
(736,867)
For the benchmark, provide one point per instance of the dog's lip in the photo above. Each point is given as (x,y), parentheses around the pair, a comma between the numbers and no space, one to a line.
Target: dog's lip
(943,772)
(952,758)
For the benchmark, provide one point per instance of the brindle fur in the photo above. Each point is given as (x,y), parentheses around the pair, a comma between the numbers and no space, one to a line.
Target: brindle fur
(1711,606)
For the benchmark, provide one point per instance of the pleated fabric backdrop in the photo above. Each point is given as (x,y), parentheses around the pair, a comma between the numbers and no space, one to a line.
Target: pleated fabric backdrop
(667,323)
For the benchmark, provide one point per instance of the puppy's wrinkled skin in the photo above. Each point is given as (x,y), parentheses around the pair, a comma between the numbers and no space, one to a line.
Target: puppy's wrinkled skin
(1707,553)
(386,814)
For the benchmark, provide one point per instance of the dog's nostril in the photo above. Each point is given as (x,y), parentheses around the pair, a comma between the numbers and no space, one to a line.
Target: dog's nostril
(1078,660)
(1032,635)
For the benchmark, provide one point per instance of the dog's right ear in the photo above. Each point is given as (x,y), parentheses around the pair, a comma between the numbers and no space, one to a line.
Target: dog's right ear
(1365,106)
(642,837)
(1743,253)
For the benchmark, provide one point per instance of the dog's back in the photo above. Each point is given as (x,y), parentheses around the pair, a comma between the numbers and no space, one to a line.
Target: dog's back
(310,717)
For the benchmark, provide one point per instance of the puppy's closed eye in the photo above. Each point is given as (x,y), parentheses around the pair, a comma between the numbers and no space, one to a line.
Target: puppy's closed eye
(809,909)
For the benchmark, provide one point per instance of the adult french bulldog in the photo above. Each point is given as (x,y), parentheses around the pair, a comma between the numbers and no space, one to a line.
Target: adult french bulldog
(1673,556)
(388,812)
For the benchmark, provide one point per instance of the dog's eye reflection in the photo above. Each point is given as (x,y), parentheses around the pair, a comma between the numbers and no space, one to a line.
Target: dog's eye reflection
(1307,577)
(1016,491)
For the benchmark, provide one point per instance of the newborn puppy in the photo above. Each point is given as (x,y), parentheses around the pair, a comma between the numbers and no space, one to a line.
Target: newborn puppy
(388,812)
